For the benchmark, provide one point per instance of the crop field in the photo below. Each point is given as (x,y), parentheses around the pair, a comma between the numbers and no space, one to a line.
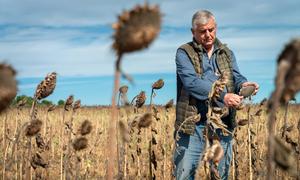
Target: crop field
(55,155)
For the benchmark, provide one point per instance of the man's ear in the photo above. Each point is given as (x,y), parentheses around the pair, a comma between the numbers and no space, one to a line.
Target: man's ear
(192,30)
(216,27)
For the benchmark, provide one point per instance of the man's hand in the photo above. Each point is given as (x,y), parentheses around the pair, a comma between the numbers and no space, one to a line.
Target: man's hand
(232,100)
(245,84)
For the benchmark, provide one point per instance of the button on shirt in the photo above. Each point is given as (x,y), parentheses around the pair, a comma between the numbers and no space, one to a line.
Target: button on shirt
(199,87)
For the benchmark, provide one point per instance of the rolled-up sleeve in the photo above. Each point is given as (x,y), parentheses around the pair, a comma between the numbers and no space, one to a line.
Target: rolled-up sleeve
(196,86)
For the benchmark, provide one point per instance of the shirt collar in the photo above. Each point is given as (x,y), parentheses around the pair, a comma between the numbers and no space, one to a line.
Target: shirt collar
(217,46)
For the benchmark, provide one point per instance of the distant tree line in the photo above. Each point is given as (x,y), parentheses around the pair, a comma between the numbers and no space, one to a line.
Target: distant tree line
(29,100)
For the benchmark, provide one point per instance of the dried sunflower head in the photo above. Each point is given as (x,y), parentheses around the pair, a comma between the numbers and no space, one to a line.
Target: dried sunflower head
(33,128)
(247,91)
(145,120)
(22,102)
(263,102)
(158,84)
(242,122)
(77,105)
(123,89)
(51,108)
(39,160)
(46,87)
(86,127)
(283,156)
(69,102)
(219,86)
(8,85)
(140,99)
(80,143)
(288,71)
(169,104)
(124,131)
(136,28)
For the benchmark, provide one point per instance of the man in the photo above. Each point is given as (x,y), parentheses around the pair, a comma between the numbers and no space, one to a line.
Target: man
(199,64)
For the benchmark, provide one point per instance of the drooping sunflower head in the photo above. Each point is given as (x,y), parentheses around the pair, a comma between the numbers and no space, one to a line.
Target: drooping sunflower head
(8,85)
(136,28)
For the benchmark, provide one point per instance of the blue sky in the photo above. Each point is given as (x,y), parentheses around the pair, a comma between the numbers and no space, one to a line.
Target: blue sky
(74,38)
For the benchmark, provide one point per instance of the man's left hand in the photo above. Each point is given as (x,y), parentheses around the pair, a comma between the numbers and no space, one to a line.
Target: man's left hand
(245,84)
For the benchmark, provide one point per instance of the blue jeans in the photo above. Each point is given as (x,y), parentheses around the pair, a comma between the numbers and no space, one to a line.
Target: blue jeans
(190,149)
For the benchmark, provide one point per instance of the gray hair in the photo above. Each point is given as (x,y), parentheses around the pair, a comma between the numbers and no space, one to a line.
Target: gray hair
(201,17)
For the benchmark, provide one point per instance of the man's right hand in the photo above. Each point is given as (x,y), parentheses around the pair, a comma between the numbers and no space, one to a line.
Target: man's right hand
(232,100)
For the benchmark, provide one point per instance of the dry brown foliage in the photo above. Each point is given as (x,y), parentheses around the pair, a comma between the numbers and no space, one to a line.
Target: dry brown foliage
(8,85)
(93,157)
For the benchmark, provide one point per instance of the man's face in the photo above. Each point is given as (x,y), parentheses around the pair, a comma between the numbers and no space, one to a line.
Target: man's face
(205,34)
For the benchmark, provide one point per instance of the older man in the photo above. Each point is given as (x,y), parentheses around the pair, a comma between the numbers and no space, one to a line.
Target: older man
(198,65)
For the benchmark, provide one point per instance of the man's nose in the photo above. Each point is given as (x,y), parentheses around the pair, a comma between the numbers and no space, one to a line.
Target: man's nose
(207,33)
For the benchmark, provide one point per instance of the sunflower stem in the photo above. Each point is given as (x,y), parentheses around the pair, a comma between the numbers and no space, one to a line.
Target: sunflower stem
(112,150)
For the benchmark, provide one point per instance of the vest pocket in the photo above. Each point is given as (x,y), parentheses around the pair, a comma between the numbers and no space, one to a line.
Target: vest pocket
(186,117)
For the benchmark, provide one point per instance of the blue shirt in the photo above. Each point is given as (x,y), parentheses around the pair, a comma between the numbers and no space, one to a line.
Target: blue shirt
(199,87)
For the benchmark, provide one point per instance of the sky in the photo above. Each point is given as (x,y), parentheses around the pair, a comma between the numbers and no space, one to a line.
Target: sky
(74,37)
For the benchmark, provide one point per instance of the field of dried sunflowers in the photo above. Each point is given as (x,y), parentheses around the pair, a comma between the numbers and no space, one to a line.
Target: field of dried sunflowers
(148,143)
(71,141)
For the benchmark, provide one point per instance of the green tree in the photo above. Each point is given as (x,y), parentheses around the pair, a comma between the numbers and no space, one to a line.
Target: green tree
(61,102)
(29,100)
(19,98)
(46,102)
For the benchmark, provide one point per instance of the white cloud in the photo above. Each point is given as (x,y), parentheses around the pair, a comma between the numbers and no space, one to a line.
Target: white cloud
(74,37)
(176,12)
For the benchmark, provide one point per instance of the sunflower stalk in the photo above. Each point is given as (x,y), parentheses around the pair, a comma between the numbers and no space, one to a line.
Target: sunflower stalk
(286,109)
(272,116)
(67,161)
(112,152)
(298,162)
(151,97)
(32,116)
(67,107)
(287,84)
(249,143)
(135,30)
(4,146)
